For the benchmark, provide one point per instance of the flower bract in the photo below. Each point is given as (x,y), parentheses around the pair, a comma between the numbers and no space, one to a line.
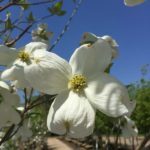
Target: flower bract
(129,128)
(10,100)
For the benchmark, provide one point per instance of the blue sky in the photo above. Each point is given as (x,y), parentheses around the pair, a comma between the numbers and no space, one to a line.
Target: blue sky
(130,26)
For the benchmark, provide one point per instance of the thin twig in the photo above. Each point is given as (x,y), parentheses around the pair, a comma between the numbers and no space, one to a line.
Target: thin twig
(9,131)
(43,18)
(39,102)
(19,37)
(6,6)
(117,134)
(26,99)
(8,35)
(18,127)
(36,3)
(20,4)
(66,27)
(21,29)
(38,99)
(30,96)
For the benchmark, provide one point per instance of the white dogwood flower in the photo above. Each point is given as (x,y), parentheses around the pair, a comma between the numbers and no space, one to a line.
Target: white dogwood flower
(133,2)
(82,87)
(17,60)
(10,100)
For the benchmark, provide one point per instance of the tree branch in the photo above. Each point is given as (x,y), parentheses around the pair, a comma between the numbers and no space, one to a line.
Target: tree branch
(7,134)
(19,37)
(6,6)
(66,27)
(36,3)
(11,132)
(20,4)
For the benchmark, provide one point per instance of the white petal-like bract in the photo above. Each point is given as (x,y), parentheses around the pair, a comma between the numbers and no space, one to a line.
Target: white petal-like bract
(91,59)
(15,74)
(33,46)
(9,98)
(107,95)
(50,74)
(7,55)
(71,115)
(113,44)
(88,37)
(8,114)
(92,38)
(129,129)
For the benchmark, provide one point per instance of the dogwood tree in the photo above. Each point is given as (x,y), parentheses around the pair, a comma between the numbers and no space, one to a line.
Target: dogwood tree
(74,90)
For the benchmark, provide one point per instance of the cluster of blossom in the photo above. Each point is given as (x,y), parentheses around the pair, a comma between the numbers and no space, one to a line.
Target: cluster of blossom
(82,85)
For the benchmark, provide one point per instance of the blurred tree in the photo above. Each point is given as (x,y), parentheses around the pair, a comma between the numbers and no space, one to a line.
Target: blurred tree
(141,114)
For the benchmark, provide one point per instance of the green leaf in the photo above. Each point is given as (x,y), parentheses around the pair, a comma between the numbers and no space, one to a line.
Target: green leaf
(22,1)
(18,1)
(24,4)
(8,24)
(57,9)
(8,14)
(30,18)
(58,5)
